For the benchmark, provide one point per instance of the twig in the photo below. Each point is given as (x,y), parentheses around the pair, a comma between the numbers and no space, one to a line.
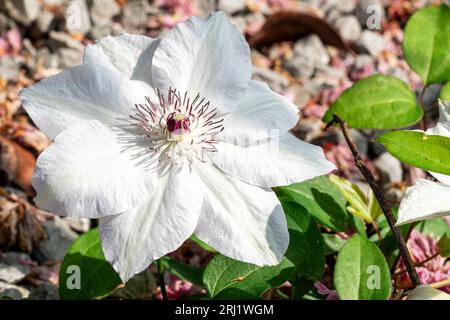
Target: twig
(381,200)
(162,282)
(397,259)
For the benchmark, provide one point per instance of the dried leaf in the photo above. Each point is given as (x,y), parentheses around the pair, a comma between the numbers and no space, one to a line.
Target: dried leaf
(19,226)
(16,164)
(291,26)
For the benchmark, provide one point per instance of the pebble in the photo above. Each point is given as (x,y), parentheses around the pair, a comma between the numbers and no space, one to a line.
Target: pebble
(13,273)
(232,6)
(371,42)
(9,68)
(12,291)
(390,168)
(275,80)
(68,57)
(77,17)
(23,11)
(59,237)
(349,28)
(309,54)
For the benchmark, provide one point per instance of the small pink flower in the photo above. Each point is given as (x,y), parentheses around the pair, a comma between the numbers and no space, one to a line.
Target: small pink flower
(421,248)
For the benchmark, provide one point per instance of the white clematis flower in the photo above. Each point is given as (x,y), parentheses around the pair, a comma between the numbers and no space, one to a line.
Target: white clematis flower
(162,139)
(428,199)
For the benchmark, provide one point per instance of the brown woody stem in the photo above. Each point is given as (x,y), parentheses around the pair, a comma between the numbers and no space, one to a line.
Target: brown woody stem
(381,200)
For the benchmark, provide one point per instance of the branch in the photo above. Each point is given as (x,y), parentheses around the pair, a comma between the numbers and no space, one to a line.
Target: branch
(381,200)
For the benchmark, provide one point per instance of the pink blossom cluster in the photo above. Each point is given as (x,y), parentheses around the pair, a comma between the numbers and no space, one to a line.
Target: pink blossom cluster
(177,11)
(176,289)
(422,247)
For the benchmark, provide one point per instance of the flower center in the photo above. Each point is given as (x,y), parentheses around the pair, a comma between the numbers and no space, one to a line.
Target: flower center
(177,126)
(177,129)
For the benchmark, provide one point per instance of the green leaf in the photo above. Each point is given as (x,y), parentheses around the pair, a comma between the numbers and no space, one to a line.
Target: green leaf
(203,244)
(361,271)
(429,152)
(377,102)
(306,249)
(435,228)
(444,245)
(300,286)
(353,194)
(97,277)
(445,92)
(389,245)
(427,43)
(225,278)
(332,243)
(183,270)
(321,199)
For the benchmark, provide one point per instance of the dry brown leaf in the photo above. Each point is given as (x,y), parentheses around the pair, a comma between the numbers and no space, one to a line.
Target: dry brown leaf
(16,164)
(291,26)
(19,227)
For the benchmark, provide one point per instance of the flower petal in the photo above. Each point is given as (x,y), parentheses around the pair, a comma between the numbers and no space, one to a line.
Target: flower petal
(443,129)
(425,200)
(260,113)
(276,162)
(209,57)
(241,221)
(128,55)
(88,172)
(166,218)
(85,92)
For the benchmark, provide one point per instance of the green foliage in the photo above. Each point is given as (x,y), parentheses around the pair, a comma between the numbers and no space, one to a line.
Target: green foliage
(202,244)
(427,43)
(183,271)
(333,243)
(435,228)
(355,197)
(444,245)
(227,278)
(361,271)
(377,102)
(445,92)
(97,277)
(321,199)
(306,249)
(429,152)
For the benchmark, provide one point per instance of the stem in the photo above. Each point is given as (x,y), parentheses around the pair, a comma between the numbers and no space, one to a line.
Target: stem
(440,284)
(421,263)
(162,283)
(397,259)
(381,200)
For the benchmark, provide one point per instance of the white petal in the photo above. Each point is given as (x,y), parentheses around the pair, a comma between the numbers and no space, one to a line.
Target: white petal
(425,292)
(275,162)
(209,57)
(425,200)
(128,55)
(89,171)
(260,114)
(241,221)
(132,240)
(443,129)
(85,92)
